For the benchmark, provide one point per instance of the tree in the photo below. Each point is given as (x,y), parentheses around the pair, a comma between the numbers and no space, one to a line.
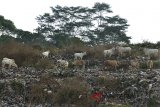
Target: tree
(109,28)
(6,26)
(6,38)
(93,25)
(28,37)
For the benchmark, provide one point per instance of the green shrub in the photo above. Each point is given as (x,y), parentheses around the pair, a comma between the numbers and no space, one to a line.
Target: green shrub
(38,47)
(143,65)
(110,83)
(44,64)
(36,95)
(17,87)
(153,102)
(70,91)
(67,95)
(24,55)
(156,64)
(2,86)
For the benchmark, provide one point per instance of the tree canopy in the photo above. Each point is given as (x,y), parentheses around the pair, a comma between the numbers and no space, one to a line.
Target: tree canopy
(64,25)
(94,25)
(9,32)
(6,25)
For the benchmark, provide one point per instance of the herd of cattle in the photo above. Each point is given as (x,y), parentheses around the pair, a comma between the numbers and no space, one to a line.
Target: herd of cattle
(108,63)
(132,62)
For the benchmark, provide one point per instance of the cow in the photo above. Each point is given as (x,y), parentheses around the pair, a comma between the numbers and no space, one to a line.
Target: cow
(9,62)
(150,52)
(109,52)
(79,55)
(122,50)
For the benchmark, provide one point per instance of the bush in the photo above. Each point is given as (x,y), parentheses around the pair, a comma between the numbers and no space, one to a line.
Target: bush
(71,90)
(17,87)
(67,95)
(96,52)
(153,102)
(2,86)
(156,64)
(36,95)
(38,47)
(44,64)
(23,54)
(109,82)
(143,65)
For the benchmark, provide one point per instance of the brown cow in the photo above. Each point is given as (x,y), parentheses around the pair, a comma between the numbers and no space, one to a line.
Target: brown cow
(79,63)
(112,64)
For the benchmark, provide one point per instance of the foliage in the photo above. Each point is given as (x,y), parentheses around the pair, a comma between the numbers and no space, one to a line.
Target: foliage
(6,38)
(143,65)
(111,83)
(36,94)
(153,102)
(148,44)
(44,64)
(23,54)
(17,87)
(2,87)
(92,25)
(71,90)
(28,37)
(156,64)
(6,25)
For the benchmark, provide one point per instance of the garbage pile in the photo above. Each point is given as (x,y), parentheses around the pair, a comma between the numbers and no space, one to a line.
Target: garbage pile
(137,89)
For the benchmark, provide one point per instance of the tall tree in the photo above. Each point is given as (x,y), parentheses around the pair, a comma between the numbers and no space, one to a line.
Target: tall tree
(93,25)
(6,26)
(28,37)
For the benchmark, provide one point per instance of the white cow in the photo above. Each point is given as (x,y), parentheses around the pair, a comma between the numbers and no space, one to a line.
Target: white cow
(9,62)
(46,53)
(121,50)
(109,52)
(148,52)
(79,55)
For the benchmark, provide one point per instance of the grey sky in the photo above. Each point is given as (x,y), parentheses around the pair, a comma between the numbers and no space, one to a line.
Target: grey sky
(143,15)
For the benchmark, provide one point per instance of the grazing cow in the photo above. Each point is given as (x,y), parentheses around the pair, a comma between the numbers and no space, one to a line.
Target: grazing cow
(9,62)
(79,63)
(109,52)
(46,54)
(63,63)
(121,50)
(148,52)
(113,64)
(79,55)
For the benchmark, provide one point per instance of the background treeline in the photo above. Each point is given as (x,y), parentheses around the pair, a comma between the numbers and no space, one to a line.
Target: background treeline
(67,25)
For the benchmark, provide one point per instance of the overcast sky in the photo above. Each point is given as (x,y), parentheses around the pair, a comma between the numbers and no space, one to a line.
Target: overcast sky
(143,16)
